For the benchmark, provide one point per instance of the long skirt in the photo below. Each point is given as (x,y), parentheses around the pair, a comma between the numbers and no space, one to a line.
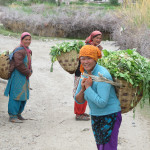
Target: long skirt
(113,142)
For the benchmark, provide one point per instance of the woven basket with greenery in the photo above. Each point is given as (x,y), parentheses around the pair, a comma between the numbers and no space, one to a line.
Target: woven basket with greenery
(132,72)
(67,54)
(4,66)
(127,95)
(69,61)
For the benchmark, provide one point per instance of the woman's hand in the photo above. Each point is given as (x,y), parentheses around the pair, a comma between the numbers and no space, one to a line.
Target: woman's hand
(88,82)
(83,84)
(30,74)
(80,95)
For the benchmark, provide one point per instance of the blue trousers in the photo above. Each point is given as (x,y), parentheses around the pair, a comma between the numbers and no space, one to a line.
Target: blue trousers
(15,107)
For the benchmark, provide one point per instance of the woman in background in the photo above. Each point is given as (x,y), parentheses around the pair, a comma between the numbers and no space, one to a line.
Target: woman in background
(95,39)
(18,84)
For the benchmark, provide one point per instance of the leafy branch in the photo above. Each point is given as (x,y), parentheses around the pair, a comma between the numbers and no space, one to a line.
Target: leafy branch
(130,66)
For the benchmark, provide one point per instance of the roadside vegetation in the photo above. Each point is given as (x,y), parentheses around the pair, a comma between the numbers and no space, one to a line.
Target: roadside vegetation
(128,24)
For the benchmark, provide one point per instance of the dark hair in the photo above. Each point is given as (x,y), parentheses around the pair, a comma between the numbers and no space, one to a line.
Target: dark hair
(96,35)
(24,36)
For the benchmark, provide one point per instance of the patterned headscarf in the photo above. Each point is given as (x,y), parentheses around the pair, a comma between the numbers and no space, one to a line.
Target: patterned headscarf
(90,38)
(90,51)
(26,48)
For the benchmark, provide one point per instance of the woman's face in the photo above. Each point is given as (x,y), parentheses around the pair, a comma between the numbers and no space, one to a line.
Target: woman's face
(88,63)
(97,40)
(26,41)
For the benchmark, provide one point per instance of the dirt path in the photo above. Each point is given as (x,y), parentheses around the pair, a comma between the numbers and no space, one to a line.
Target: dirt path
(50,109)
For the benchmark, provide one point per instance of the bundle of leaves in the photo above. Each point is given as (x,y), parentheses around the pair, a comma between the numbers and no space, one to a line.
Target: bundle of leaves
(4,53)
(64,47)
(130,66)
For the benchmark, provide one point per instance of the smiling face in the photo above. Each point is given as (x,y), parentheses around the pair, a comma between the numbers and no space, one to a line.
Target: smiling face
(26,41)
(96,40)
(88,63)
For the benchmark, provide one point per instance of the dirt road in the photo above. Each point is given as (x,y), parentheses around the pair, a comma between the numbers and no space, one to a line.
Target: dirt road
(51,124)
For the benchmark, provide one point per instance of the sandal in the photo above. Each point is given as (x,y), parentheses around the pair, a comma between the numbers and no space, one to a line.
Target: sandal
(85,114)
(82,117)
(15,120)
(20,117)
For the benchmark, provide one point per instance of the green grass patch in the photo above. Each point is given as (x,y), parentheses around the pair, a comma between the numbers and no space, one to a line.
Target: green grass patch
(101,5)
(109,6)
(48,4)
(10,33)
(26,9)
(106,5)
(22,3)
(5,32)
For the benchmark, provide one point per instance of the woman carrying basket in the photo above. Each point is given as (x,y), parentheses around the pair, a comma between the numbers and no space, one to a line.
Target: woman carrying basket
(104,105)
(18,84)
(94,39)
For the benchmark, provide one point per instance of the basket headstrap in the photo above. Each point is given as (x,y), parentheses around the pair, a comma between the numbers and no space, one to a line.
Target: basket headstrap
(16,50)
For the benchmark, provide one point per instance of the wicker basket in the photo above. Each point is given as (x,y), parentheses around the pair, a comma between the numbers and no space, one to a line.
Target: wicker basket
(127,95)
(4,67)
(69,61)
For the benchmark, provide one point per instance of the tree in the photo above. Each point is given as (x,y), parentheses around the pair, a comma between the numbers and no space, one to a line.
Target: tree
(40,1)
(59,2)
(114,2)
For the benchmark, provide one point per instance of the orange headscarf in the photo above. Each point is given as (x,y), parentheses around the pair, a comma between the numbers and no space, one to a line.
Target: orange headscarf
(90,51)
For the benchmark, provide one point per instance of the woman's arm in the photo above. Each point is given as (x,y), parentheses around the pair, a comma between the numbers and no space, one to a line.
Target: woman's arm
(101,96)
(19,64)
(80,96)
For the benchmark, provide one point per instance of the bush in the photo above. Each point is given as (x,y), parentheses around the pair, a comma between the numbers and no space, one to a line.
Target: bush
(132,31)
(57,21)
(5,2)
(114,2)
(128,30)
(41,1)
(25,2)
(81,0)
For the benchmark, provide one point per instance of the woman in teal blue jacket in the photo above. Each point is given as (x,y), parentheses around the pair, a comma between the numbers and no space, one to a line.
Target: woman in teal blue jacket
(18,84)
(104,105)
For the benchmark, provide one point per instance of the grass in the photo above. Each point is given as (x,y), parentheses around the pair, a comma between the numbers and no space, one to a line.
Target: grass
(10,33)
(136,14)
(133,26)
(110,7)
(26,9)
(106,5)
(51,8)
(5,32)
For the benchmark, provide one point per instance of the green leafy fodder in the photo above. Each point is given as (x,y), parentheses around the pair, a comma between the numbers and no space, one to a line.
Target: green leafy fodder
(130,66)
(64,48)
(113,2)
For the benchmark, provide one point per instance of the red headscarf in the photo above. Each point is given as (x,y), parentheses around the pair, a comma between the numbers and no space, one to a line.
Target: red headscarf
(26,48)
(90,38)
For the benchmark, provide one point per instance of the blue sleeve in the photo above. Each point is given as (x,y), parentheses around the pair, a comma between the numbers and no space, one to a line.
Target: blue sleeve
(77,91)
(101,97)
